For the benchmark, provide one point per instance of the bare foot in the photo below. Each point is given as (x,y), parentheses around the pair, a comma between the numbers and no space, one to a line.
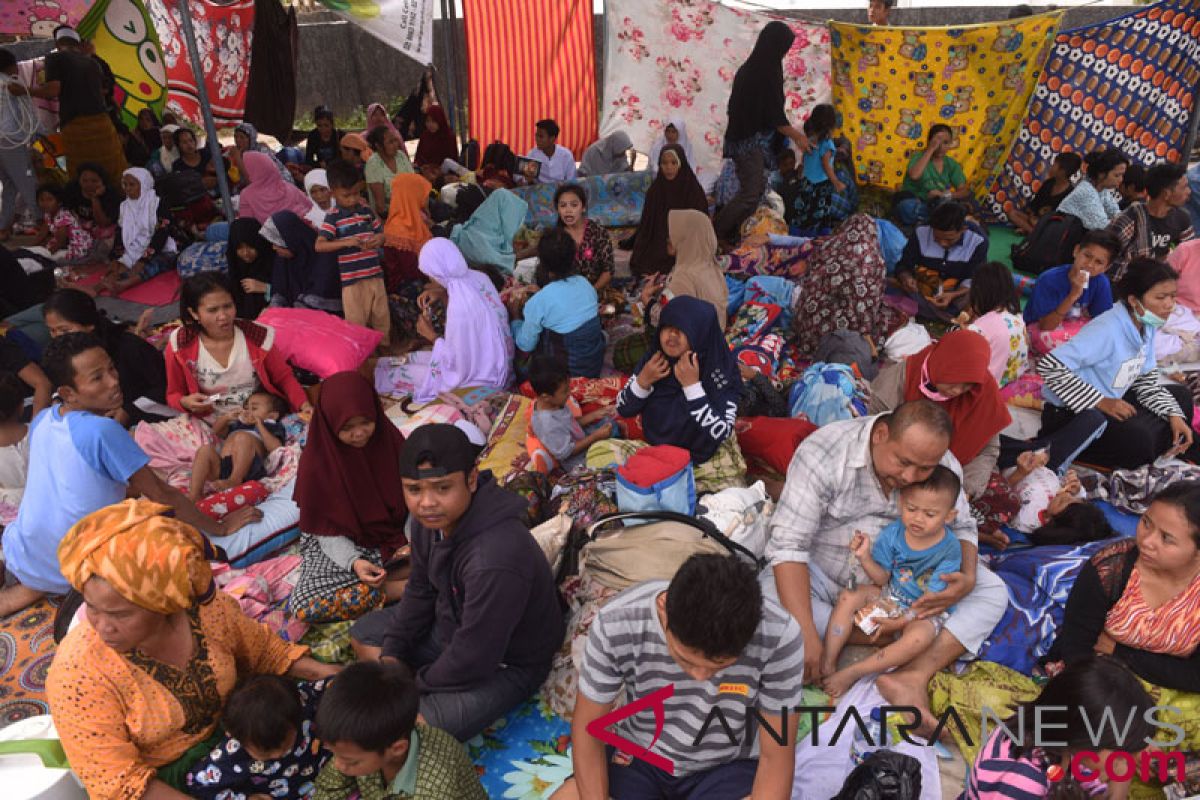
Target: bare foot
(839,682)
(903,688)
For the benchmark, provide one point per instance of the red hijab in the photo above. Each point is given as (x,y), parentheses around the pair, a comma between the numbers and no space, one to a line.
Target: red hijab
(434,148)
(351,491)
(977,414)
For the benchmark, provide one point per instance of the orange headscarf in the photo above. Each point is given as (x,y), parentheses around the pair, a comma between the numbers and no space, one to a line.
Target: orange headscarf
(355,141)
(405,228)
(978,414)
(153,561)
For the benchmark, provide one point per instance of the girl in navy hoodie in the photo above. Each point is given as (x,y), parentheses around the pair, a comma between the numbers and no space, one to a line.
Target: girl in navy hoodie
(687,386)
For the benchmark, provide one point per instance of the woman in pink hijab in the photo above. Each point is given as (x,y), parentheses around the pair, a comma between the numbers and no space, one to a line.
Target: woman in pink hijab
(377,115)
(268,193)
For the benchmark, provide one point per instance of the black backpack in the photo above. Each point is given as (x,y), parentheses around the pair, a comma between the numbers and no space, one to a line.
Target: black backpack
(469,157)
(500,156)
(1051,243)
(178,190)
(884,775)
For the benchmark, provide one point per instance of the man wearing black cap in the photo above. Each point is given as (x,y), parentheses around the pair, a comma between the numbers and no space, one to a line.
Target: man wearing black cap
(480,619)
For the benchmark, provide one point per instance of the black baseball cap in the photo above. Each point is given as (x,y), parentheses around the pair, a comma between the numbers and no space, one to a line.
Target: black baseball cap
(442,448)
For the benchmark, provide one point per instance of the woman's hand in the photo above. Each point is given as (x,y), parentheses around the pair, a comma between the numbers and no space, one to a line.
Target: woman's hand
(251,286)
(655,370)
(1181,436)
(1116,408)
(196,404)
(368,573)
(653,286)
(687,369)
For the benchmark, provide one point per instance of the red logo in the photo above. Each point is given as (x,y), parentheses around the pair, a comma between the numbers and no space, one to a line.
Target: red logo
(655,700)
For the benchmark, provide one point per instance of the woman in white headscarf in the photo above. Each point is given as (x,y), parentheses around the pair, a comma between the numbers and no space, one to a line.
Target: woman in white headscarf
(167,152)
(316,186)
(145,244)
(674,132)
(606,156)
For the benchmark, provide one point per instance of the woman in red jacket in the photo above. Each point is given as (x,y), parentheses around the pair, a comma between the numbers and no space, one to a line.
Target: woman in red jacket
(216,361)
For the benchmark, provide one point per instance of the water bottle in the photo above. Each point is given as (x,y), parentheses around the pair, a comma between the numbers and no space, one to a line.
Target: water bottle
(860,745)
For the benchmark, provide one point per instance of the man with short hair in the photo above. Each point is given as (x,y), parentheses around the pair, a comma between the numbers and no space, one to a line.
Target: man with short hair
(722,647)
(932,177)
(878,11)
(558,163)
(1152,229)
(481,619)
(937,264)
(77,80)
(844,478)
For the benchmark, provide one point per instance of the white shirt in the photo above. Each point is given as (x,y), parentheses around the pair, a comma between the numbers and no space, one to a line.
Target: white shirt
(557,168)
(235,381)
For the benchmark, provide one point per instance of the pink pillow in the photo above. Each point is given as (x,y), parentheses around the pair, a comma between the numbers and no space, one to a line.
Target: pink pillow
(318,342)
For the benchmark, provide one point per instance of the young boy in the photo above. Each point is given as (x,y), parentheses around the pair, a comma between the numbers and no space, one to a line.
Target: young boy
(250,436)
(356,235)
(368,721)
(909,558)
(1072,291)
(1052,191)
(557,423)
(724,647)
(480,620)
(1133,186)
(939,261)
(81,460)
(270,749)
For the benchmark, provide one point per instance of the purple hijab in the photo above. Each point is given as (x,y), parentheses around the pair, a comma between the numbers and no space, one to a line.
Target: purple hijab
(477,348)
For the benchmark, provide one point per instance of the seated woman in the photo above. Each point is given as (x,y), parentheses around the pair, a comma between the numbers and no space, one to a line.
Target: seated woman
(474,349)
(1135,600)
(437,142)
(1066,298)
(606,156)
(163,158)
(316,186)
(138,686)
(250,260)
(486,239)
(697,273)
(245,141)
(1093,200)
(147,130)
(97,205)
(1053,191)
(140,367)
(593,247)
(952,372)
(147,244)
(352,510)
(194,158)
(377,116)
(563,317)
(324,143)
(301,277)
(686,388)
(60,234)
(675,187)
(406,230)
(267,193)
(1104,401)
(355,150)
(388,161)
(994,312)
(216,361)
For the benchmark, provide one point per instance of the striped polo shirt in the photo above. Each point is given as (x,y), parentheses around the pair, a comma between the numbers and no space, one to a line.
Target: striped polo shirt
(626,648)
(355,264)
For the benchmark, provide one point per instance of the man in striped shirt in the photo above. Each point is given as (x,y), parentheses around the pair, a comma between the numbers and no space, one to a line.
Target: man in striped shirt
(354,232)
(724,651)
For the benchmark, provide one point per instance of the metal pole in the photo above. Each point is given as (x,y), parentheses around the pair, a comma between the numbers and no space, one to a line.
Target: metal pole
(210,128)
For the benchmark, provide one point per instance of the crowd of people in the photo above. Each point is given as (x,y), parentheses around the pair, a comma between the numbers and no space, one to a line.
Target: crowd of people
(760,330)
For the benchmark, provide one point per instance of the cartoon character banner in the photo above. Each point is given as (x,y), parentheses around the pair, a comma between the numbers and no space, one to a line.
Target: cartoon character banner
(892,84)
(677,58)
(39,18)
(1128,83)
(126,39)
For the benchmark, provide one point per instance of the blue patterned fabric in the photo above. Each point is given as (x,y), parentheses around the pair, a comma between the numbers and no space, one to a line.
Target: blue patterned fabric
(525,754)
(203,257)
(1123,83)
(614,201)
(827,393)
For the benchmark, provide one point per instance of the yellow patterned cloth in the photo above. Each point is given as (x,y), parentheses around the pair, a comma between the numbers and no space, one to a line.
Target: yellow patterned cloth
(154,561)
(892,84)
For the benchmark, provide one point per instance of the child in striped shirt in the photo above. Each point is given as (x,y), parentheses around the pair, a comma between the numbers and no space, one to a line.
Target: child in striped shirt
(354,232)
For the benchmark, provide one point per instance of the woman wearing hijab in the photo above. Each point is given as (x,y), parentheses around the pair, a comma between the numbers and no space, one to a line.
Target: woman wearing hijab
(675,187)
(245,141)
(146,246)
(674,132)
(756,115)
(476,348)
(953,372)
(697,272)
(607,156)
(487,237)
(377,115)
(437,142)
(301,277)
(251,260)
(686,388)
(316,186)
(268,193)
(352,508)
(404,233)
(138,686)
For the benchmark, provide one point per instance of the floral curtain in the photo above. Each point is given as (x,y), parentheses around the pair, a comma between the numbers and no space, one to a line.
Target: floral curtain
(677,58)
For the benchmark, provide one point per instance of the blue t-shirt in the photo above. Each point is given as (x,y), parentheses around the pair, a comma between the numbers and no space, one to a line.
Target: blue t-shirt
(1054,285)
(78,463)
(1108,354)
(915,572)
(561,306)
(813,171)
